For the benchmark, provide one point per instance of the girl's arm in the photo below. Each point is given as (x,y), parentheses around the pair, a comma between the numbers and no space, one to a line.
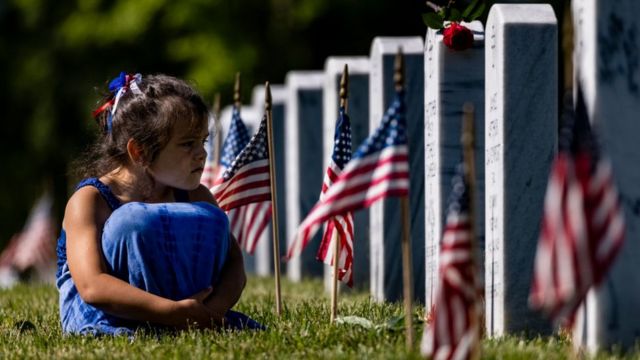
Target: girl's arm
(227,291)
(84,218)
(232,280)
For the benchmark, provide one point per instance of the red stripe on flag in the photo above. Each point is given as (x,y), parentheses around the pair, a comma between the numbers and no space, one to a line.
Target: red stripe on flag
(242,188)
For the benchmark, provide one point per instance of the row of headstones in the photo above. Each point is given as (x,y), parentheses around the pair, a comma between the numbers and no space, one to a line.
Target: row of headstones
(510,74)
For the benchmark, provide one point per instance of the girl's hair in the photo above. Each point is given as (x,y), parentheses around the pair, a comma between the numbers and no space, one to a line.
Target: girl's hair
(147,116)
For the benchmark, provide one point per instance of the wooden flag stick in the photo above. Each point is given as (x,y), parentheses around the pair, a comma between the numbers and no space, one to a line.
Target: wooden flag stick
(217,125)
(469,173)
(467,141)
(274,203)
(237,101)
(406,271)
(344,95)
(407,266)
(344,89)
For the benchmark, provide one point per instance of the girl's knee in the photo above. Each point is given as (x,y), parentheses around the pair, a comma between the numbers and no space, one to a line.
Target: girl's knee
(125,229)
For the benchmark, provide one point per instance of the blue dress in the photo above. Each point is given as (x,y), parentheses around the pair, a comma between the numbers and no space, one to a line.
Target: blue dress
(173,250)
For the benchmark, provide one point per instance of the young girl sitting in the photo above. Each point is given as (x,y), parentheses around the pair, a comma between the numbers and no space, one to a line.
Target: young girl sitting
(143,243)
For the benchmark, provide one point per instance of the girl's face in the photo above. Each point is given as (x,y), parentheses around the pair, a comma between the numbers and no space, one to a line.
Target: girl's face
(181,162)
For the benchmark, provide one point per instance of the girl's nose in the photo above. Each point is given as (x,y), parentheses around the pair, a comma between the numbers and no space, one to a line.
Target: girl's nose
(201,153)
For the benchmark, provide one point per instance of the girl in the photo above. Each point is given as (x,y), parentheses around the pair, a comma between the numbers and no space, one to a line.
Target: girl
(142,241)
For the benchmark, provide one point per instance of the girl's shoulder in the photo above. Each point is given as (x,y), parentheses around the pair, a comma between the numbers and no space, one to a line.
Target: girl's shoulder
(201,193)
(87,204)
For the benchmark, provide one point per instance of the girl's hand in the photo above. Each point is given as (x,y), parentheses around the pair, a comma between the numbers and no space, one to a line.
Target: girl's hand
(192,312)
(230,284)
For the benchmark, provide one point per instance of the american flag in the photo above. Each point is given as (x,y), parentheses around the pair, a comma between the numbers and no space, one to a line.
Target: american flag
(340,227)
(583,224)
(244,190)
(34,247)
(379,168)
(236,140)
(454,330)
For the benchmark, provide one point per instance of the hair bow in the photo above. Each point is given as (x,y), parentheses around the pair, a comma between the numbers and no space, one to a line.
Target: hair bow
(119,87)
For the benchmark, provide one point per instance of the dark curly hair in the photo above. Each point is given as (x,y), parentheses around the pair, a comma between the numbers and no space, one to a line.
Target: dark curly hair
(147,118)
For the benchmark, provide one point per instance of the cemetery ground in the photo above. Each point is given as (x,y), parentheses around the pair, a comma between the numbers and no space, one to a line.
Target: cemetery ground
(30,328)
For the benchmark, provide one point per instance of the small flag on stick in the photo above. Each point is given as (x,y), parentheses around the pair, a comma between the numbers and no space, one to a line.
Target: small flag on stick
(583,223)
(34,247)
(454,330)
(378,169)
(339,230)
(242,190)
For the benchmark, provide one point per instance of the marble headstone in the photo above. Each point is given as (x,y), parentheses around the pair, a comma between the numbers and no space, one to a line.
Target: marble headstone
(452,78)
(607,67)
(264,249)
(520,143)
(384,216)
(304,171)
(358,110)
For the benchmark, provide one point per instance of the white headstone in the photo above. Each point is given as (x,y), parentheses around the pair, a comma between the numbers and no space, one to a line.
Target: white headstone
(452,78)
(358,111)
(304,170)
(251,118)
(384,216)
(520,139)
(264,249)
(607,65)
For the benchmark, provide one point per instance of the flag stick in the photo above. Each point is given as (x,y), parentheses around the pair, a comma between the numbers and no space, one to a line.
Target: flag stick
(407,281)
(274,206)
(467,140)
(236,92)
(406,271)
(334,280)
(344,95)
(217,125)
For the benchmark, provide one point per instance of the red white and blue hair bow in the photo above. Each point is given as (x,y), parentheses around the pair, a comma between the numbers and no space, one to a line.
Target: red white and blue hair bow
(118,87)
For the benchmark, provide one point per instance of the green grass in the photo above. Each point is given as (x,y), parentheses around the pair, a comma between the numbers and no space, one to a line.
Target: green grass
(29,328)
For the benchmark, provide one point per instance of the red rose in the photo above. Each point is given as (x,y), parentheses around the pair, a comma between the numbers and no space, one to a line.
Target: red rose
(457,37)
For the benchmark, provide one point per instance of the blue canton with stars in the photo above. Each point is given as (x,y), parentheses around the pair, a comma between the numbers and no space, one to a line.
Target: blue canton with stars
(236,140)
(391,132)
(254,151)
(342,140)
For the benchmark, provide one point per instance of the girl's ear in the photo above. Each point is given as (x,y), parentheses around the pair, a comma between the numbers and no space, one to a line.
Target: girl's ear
(135,152)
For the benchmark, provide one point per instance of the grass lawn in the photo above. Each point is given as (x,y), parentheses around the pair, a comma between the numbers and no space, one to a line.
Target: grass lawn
(29,328)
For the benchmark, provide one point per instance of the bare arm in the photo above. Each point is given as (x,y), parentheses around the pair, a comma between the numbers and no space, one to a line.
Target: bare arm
(230,284)
(232,280)
(85,215)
